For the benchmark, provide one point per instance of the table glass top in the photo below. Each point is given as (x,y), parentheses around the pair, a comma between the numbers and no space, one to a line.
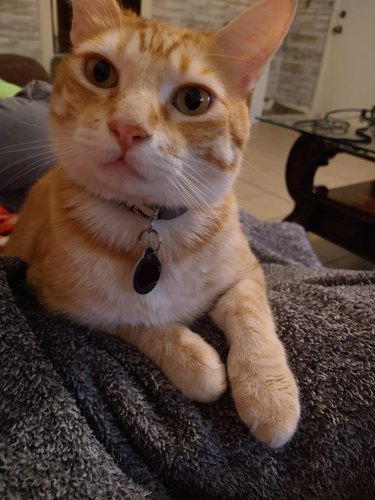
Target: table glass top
(348,128)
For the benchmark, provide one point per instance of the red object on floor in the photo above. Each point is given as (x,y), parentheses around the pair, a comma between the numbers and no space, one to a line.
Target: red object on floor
(7,221)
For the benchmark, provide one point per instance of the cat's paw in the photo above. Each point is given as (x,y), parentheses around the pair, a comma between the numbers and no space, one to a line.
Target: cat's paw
(267,403)
(197,369)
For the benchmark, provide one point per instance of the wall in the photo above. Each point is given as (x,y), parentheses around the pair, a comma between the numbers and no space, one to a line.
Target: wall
(19,28)
(295,69)
(198,14)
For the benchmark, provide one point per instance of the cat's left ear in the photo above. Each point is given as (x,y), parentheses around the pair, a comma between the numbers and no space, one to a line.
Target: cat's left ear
(88,15)
(246,44)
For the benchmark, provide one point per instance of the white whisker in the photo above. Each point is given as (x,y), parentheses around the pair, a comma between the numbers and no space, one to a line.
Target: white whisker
(226,56)
(26,143)
(253,167)
(193,175)
(11,151)
(32,124)
(31,168)
(193,195)
(42,156)
(47,142)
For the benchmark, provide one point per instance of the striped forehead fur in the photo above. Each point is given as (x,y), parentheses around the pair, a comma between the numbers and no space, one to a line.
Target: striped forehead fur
(185,61)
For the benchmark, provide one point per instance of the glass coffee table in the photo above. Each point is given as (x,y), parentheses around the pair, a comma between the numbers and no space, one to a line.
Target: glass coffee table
(344,215)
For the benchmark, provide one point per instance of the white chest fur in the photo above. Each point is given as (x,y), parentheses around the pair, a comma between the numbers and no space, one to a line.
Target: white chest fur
(187,285)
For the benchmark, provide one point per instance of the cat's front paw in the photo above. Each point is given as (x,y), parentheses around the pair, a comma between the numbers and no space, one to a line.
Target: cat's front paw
(267,402)
(196,369)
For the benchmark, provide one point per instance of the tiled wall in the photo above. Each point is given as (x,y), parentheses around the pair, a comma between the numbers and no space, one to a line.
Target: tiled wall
(19,27)
(295,69)
(198,14)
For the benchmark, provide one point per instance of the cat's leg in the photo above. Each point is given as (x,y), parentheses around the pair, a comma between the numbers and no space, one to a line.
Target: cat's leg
(263,386)
(188,361)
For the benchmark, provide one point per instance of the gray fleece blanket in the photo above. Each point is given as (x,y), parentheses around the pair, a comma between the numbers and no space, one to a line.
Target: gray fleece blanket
(83,415)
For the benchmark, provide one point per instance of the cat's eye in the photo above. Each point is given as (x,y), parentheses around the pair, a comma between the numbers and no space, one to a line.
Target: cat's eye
(192,100)
(101,72)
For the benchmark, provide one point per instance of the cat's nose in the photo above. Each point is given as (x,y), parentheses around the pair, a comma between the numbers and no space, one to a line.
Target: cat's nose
(127,135)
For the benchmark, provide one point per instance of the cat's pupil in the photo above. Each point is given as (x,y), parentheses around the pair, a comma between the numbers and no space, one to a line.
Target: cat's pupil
(193,98)
(101,71)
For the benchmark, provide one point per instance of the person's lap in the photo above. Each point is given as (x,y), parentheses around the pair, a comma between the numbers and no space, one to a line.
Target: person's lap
(25,153)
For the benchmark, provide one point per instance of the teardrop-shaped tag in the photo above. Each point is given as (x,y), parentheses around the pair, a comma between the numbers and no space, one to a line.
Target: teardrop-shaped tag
(147,272)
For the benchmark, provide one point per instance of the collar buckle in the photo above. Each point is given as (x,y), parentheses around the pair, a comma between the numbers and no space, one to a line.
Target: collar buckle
(154,212)
(149,216)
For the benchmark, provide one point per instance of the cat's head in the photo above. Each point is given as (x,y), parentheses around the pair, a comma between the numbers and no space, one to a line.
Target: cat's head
(151,114)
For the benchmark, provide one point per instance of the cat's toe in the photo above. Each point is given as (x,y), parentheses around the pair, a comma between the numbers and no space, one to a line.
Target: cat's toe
(210,382)
(200,375)
(277,428)
(271,408)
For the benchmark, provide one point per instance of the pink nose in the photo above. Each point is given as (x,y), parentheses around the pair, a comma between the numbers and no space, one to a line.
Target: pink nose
(127,135)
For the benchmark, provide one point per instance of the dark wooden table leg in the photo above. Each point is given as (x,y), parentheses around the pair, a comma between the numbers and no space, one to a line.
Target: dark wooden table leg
(306,156)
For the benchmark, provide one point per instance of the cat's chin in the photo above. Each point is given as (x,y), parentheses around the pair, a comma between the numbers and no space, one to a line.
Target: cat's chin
(116,182)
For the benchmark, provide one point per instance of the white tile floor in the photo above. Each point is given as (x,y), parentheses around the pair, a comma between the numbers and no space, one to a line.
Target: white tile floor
(261,188)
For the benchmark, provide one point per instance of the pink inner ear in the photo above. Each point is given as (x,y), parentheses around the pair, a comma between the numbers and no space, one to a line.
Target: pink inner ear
(252,38)
(76,34)
(81,25)
(88,13)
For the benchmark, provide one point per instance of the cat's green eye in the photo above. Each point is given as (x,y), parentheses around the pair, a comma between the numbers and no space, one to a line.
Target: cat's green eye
(192,101)
(101,72)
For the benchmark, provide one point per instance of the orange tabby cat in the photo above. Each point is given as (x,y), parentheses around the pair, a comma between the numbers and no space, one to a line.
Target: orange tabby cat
(136,230)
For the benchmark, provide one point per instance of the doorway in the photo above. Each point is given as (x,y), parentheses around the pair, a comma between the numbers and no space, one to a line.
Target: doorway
(347,79)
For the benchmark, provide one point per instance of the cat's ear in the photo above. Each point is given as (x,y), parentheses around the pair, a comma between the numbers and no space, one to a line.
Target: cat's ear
(89,14)
(249,41)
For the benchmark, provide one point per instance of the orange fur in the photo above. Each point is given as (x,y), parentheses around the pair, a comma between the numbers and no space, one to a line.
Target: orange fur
(81,243)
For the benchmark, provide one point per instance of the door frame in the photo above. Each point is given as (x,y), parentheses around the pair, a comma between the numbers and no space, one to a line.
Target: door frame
(46,33)
(314,110)
(146,9)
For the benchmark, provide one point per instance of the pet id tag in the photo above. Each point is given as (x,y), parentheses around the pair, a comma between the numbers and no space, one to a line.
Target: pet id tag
(148,269)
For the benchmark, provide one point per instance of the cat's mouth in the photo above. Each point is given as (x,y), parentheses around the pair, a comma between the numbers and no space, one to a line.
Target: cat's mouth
(123,167)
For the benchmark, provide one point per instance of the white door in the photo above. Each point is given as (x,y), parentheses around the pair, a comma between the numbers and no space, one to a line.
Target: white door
(348,74)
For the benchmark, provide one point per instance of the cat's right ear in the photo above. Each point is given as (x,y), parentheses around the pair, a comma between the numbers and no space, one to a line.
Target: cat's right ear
(89,14)
(247,43)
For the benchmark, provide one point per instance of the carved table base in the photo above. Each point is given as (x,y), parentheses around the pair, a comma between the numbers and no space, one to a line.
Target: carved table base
(345,216)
